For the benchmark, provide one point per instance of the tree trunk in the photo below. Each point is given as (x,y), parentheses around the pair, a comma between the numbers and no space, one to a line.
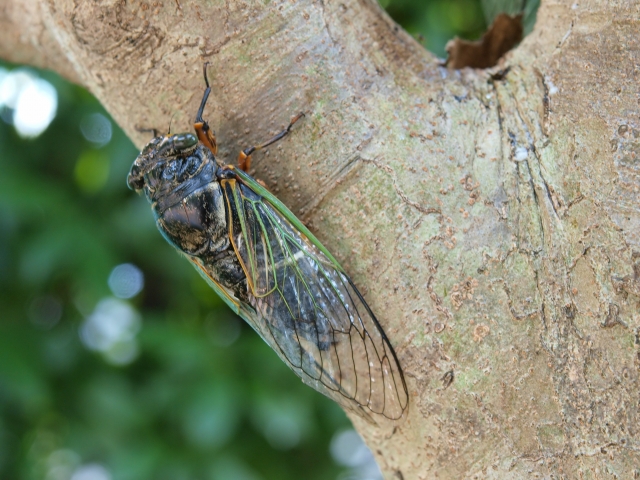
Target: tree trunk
(491,217)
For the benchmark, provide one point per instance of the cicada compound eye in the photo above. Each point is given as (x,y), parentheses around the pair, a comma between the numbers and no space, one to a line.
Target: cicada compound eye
(184,141)
(135,180)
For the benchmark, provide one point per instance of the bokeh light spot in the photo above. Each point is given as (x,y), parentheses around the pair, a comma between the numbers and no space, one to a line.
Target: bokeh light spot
(11,83)
(36,106)
(126,280)
(347,448)
(91,471)
(91,171)
(111,329)
(283,432)
(96,128)
(61,464)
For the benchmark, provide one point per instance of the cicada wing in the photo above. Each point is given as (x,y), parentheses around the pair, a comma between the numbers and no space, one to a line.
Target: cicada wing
(313,315)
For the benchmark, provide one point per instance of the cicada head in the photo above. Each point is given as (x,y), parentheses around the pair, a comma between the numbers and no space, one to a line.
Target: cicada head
(170,167)
(158,154)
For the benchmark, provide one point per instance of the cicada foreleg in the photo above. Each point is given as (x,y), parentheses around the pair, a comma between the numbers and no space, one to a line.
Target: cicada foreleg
(203,131)
(244,158)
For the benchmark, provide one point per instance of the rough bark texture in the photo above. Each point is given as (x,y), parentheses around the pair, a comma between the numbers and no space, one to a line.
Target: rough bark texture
(491,217)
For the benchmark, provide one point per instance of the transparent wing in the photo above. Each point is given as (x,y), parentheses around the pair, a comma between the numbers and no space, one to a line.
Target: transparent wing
(312,314)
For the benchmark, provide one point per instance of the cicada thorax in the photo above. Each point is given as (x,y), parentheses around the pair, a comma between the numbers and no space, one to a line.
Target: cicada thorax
(190,211)
(181,183)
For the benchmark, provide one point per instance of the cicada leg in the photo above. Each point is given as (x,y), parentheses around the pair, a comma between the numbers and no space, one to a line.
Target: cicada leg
(244,158)
(204,133)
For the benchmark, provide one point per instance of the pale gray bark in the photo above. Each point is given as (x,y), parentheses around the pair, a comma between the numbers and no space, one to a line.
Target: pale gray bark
(491,217)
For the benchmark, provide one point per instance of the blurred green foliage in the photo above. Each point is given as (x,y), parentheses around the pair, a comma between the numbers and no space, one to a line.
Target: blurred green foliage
(202,396)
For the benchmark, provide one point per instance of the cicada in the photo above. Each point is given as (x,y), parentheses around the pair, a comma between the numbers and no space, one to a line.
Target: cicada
(269,268)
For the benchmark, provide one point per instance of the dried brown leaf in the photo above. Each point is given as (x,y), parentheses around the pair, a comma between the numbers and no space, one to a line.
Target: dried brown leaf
(503,34)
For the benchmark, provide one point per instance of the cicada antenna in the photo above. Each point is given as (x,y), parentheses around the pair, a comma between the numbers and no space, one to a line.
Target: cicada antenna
(170,122)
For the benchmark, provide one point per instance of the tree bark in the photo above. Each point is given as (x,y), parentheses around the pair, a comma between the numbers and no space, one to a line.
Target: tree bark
(491,217)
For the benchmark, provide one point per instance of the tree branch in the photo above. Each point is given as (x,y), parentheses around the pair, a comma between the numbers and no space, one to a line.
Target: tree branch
(28,35)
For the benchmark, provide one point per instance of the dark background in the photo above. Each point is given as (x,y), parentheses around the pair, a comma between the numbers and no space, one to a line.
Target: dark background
(166,384)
